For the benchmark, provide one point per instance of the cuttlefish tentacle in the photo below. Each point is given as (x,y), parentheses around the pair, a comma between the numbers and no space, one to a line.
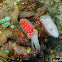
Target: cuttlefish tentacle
(35,41)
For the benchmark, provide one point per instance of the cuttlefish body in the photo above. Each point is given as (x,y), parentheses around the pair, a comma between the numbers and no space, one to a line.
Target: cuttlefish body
(31,33)
(49,26)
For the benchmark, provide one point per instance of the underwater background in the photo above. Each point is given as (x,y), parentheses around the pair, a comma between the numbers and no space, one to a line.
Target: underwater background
(30,30)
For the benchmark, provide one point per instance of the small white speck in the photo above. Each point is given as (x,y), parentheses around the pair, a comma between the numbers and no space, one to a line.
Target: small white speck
(22,3)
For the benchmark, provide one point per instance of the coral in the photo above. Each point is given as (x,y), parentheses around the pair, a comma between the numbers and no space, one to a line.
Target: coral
(6,22)
(8,18)
(3,39)
(2,21)
(16,51)
(4,13)
(26,14)
(41,11)
(14,15)
(5,25)
(12,26)
(31,7)
(4,36)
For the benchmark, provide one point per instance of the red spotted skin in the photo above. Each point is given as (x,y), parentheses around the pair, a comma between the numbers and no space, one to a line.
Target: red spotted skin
(27,27)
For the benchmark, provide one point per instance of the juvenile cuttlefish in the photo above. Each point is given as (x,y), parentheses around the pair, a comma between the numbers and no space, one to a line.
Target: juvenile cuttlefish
(49,26)
(31,33)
